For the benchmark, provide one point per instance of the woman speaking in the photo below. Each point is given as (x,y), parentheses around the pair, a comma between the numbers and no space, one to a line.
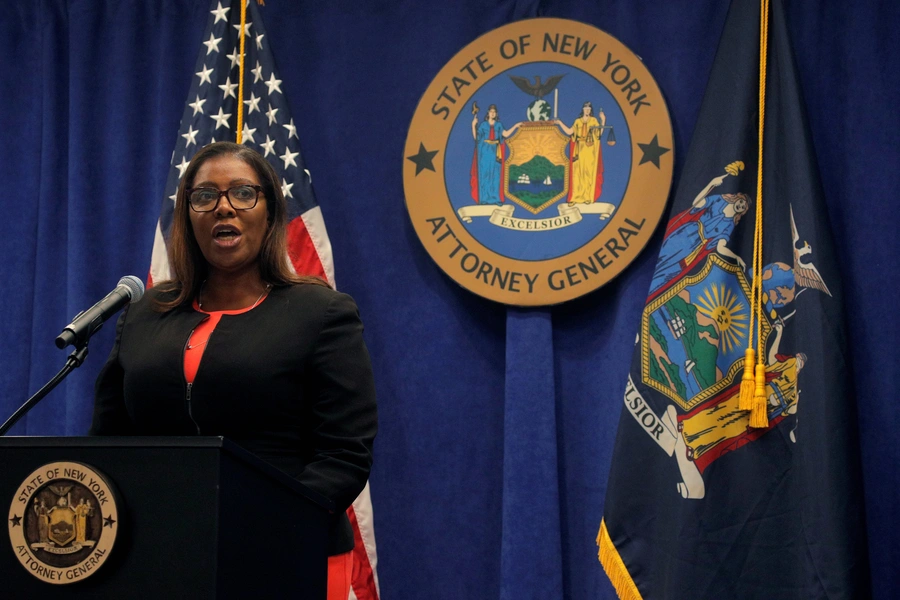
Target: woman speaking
(237,345)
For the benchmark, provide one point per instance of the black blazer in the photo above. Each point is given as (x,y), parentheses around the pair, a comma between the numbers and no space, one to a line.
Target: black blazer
(289,380)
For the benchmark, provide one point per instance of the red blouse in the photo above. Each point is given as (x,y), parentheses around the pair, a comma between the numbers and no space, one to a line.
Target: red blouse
(193,352)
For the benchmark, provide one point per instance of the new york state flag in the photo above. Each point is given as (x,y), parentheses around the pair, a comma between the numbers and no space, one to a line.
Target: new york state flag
(702,500)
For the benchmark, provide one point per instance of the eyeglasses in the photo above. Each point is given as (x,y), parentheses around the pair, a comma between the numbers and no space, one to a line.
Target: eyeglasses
(241,197)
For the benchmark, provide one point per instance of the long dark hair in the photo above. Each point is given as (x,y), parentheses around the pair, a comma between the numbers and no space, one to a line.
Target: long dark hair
(189,267)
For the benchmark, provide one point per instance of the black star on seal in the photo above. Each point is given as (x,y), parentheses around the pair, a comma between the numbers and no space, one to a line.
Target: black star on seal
(423,159)
(652,151)
(108,521)
(16,520)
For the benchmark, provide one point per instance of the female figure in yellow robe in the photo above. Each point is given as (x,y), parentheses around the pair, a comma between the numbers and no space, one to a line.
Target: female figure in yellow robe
(722,426)
(585,156)
(82,512)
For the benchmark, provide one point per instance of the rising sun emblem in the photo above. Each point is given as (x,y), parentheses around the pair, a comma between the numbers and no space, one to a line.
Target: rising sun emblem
(721,305)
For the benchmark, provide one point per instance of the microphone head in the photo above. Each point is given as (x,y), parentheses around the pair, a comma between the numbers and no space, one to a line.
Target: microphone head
(134,286)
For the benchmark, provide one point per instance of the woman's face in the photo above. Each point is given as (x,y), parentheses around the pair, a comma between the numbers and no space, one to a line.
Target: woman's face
(740,206)
(585,111)
(229,239)
(492,114)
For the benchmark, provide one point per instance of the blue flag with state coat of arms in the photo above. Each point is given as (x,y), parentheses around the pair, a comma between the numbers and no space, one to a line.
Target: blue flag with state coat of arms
(700,504)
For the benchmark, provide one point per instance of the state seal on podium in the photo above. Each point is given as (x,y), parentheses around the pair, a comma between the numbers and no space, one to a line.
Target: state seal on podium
(63,522)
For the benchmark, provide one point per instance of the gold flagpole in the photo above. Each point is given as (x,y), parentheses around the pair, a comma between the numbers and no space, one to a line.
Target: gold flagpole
(240,98)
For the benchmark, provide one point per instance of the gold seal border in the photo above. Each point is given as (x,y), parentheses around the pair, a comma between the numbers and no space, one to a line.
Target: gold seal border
(644,201)
(21,502)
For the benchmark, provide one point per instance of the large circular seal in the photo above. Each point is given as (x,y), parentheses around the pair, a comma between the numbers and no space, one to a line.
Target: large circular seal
(538,162)
(63,522)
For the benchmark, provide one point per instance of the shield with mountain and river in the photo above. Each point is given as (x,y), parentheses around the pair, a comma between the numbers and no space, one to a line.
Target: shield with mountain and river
(694,334)
(536,174)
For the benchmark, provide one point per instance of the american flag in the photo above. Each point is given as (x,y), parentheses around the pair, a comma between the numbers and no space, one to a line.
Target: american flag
(210,114)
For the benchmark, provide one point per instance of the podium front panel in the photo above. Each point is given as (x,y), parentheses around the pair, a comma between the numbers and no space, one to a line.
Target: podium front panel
(195,520)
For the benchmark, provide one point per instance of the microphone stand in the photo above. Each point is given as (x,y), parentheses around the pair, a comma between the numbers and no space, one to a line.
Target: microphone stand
(73,362)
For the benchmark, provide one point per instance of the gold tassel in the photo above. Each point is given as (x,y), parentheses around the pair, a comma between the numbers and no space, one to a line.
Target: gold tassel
(747,382)
(759,415)
(615,567)
(759,412)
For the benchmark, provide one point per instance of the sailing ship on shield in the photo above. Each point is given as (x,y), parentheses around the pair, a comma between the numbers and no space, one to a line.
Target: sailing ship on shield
(536,175)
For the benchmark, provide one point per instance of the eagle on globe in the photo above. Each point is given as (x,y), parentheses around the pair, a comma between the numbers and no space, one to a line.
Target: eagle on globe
(539,109)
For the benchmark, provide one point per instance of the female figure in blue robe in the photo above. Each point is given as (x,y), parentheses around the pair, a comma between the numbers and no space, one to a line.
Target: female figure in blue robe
(487,164)
(705,227)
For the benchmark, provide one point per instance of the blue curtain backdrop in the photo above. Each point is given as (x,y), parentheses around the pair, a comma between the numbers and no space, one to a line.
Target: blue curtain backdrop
(91,95)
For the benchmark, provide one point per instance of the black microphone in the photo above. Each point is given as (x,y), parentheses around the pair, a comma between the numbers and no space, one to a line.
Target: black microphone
(87,323)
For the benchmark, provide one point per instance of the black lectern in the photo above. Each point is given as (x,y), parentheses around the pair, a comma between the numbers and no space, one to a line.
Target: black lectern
(199,517)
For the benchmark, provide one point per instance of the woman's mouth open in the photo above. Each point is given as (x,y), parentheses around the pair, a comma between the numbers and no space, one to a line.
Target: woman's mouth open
(226,236)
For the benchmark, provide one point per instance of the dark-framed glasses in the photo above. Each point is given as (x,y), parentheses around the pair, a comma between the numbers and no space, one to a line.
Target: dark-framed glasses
(241,197)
